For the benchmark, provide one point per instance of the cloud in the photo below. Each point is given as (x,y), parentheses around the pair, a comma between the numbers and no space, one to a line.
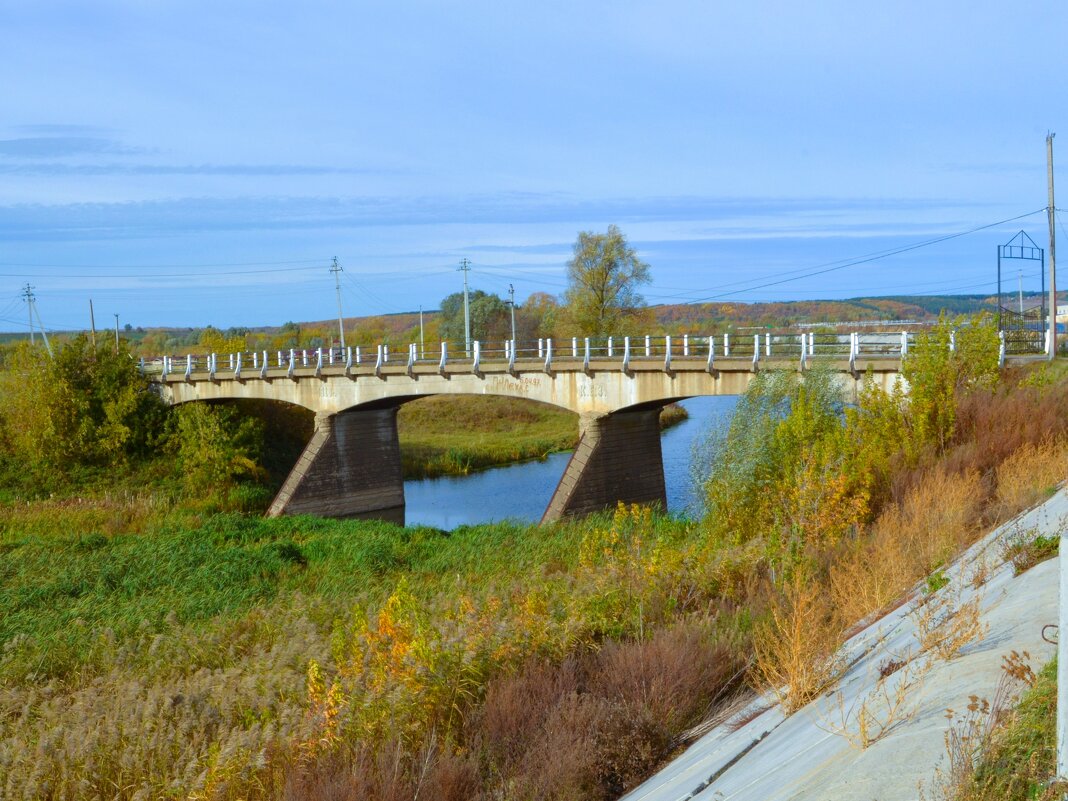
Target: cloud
(644,219)
(61,169)
(36,147)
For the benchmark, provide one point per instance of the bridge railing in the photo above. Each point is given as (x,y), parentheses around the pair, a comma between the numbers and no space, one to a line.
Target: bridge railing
(624,350)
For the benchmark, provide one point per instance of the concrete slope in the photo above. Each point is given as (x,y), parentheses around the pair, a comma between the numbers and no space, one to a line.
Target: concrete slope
(815,754)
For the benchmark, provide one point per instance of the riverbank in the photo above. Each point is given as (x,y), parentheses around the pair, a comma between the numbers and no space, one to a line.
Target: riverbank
(455,436)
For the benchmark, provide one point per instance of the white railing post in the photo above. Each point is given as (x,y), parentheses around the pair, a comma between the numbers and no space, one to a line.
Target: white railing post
(385,354)
(1001,348)
(444,358)
(478,357)
(574,347)
(610,352)
(411,359)
(188,366)
(211,367)
(378,362)
(767,344)
(163,373)
(952,341)
(667,353)
(230,356)
(357,354)
(685,344)
(279,358)
(255,360)
(626,354)
(331,354)
(804,352)
(541,347)
(292,362)
(586,354)
(904,344)
(726,346)
(237,368)
(318,362)
(264,362)
(304,357)
(711,365)
(549,355)
(756,348)
(648,348)
(812,344)
(511,357)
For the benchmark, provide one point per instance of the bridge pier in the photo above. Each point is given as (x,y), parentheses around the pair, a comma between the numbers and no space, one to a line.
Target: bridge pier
(351,467)
(618,458)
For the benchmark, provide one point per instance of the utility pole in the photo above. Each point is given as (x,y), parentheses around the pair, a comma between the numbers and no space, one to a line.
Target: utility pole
(31,310)
(1062,615)
(511,302)
(1051,212)
(27,293)
(1021,293)
(336,270)
(116,332)
(92,325)
(465,267)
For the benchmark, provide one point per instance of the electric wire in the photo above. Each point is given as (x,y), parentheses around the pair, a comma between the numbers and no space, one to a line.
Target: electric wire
(869,259)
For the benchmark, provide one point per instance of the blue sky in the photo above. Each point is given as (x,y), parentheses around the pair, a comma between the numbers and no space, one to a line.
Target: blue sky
(187,163)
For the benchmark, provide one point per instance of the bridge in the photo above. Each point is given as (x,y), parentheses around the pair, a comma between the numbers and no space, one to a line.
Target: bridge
(352,465)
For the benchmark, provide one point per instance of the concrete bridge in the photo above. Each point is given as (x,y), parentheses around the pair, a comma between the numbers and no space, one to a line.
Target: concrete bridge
(352,464)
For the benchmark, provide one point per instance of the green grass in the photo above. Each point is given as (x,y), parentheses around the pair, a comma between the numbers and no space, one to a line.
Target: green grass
(66,596)
(1020,756)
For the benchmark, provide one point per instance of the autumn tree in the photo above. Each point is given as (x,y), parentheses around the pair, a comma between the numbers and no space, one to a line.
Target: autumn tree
(604,276)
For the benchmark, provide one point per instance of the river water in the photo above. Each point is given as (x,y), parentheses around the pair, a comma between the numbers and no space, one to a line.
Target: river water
(522,491)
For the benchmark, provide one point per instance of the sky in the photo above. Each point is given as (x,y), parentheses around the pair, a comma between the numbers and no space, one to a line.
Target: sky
(192,163)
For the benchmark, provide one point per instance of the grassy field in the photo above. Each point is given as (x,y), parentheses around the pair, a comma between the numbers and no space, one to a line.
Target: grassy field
(448,435)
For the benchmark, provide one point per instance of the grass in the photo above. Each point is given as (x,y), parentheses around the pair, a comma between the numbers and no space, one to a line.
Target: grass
(60,592)
(446,435)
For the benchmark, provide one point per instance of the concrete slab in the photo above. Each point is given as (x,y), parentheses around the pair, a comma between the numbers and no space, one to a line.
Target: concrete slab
(809,755)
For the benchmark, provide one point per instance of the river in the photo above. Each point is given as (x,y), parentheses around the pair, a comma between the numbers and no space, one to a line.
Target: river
(522,491)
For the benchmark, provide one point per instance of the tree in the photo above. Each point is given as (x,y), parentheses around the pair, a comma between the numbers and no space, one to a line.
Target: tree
(489,317)
(603,280)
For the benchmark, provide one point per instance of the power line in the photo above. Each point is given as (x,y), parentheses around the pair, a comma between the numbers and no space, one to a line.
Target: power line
(866,260)
(151,275)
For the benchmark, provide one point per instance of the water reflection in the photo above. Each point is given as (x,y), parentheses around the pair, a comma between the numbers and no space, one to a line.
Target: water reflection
(522,491)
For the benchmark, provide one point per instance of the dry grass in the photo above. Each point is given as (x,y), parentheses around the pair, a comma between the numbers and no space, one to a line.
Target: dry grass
(892,702)
(124,735)
(795,647)
(945,624)
(937,517)
(1031,474)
